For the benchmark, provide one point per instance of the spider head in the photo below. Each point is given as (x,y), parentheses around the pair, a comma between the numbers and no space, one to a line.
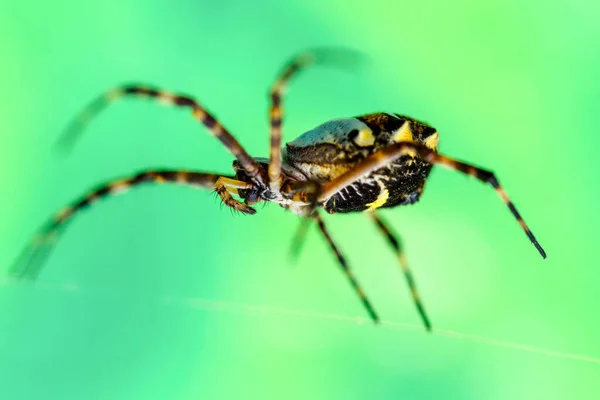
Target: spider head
(259,191)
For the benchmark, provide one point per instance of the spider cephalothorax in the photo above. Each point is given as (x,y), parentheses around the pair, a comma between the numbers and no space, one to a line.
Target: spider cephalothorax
(373,161)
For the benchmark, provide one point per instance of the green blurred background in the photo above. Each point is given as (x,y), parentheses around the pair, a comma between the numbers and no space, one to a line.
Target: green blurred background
(512,86)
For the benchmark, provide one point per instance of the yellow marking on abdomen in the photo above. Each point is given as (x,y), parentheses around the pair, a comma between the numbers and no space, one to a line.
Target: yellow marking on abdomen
(432,141)
(382,197)
(365,138)
(403,134)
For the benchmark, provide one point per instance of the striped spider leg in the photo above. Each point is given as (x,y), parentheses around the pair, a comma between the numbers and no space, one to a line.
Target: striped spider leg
(383,157)
(325,56)
(346,269)
(396,244)
(299,238)
(73,132)
(31,260)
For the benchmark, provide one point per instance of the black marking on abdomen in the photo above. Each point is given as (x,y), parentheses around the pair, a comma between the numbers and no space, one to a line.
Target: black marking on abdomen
(404,181)
(354,197)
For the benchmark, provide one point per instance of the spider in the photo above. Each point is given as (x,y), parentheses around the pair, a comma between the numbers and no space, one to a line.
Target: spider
(373,161)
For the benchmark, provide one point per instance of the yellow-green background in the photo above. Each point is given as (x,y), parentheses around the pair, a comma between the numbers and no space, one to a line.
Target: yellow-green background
(513,86)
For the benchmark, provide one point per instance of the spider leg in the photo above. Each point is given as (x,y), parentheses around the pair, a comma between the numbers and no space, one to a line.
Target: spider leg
(299,238)
(306,192)
(326,56)
(397,246)
(28,265)
(388,154)
(74,130)
(346,269)
(225,187)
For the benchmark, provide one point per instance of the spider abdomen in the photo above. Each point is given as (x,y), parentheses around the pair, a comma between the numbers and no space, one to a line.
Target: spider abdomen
(336,147)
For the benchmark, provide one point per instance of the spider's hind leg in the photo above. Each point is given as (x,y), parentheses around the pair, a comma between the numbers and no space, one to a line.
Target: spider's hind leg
(346,269)
(299,238)
(29,264)
(396,244)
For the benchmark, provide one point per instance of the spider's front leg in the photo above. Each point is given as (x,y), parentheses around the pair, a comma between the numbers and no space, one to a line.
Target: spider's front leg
(200,113)
(225,187)
(31,260)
